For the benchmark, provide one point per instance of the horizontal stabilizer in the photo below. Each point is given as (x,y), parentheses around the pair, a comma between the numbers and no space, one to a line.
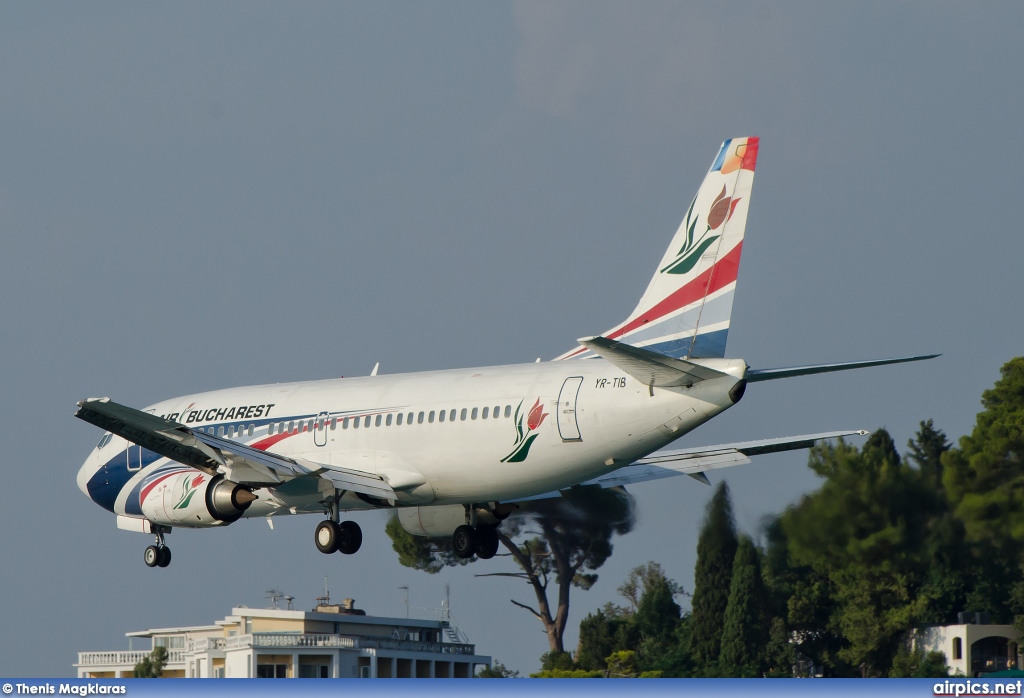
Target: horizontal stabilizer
(768,374)
(212,454)
(650,368)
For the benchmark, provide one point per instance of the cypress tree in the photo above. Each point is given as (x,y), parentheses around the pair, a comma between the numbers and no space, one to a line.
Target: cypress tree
(745,632)
(716,550)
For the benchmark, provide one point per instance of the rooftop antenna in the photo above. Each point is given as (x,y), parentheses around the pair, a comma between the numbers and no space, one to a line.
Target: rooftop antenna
(324,600)
(275,595)
(406,600)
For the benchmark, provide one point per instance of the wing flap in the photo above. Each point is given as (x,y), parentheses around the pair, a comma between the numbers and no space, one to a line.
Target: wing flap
(696,461)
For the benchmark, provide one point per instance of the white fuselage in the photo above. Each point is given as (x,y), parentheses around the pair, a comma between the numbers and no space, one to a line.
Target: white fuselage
(507,432)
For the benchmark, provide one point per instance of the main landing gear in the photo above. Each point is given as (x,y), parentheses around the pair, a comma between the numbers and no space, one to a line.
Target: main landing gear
(344,537)
(158,555)
(334,536)
(481,540)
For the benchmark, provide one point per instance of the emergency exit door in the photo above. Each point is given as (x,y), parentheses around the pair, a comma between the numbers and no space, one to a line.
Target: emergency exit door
(568,426)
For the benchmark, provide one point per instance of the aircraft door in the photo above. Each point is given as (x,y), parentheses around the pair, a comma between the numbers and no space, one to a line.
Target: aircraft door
(568,426)
(320,429)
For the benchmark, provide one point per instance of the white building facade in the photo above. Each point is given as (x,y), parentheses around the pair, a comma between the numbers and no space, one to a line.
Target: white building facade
(971,649)
(328,642)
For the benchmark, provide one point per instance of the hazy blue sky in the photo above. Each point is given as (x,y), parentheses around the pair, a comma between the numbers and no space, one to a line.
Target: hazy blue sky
(201,195)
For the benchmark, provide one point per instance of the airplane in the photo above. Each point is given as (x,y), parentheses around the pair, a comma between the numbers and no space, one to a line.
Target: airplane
(454,452)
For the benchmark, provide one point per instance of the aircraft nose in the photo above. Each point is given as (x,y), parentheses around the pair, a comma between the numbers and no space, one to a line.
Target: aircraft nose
(86,472)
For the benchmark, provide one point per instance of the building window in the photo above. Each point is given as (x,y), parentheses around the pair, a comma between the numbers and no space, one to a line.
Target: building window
(271,671)
(958,648)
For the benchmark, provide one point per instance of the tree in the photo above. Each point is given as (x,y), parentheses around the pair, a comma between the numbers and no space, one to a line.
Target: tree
(497,671)
(716,549)
(573,540)
(151,666)
(984,479)
(863,532)
(926,449)
(745,630)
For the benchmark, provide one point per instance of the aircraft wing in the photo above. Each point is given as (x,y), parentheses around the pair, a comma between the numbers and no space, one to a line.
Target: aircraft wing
(650,368)
(212,454)
(696,461)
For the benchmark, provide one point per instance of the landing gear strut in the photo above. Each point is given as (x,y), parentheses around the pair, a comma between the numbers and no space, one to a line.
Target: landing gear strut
(158,555)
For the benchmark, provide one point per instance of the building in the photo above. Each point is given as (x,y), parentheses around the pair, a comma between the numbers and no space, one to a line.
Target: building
(973,646)
(331,641)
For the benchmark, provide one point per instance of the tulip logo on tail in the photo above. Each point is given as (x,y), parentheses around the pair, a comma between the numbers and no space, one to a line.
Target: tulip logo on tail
(188,489)
(525,438)
(722,209)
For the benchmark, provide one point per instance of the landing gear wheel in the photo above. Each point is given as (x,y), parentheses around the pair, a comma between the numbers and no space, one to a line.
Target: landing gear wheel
(152,556)
(464,541)
(165,557)
(326,537)
(486,542)
(350,537)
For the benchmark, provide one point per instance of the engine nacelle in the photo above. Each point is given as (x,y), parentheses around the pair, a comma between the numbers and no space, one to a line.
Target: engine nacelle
(194,500)
(441,521)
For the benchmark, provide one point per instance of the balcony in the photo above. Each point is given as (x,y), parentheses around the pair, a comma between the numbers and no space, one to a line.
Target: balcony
(125,657)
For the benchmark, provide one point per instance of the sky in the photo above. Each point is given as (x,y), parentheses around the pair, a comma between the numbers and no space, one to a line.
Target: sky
(203,195)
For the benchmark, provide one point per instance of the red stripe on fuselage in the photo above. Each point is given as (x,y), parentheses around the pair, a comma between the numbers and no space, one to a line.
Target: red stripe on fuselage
(149,488)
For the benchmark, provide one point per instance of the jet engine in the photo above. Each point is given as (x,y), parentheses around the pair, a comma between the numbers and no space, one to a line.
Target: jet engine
(194,500)
(441,521)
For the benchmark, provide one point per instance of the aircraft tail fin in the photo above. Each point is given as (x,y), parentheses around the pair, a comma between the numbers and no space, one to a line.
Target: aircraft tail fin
(685,311)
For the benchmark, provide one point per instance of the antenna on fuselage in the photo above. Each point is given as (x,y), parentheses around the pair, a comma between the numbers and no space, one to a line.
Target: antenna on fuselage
(375,367)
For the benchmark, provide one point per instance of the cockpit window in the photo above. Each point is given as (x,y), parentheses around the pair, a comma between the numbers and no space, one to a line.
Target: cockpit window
(104,440)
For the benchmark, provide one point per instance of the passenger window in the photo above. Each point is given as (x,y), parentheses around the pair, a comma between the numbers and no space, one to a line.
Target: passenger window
(252,427)
(399,422)
(355,422)
(486,410)
(366,421)
(440,417)
(387,422)
(291,426)
(472,415)
(462,415)
(451,416)
(220,431)
(497,411)
(270,429)
(408,419)
(309,425)
(376,422)
(344,423)
(508,410)
(419,420)
(430,417)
